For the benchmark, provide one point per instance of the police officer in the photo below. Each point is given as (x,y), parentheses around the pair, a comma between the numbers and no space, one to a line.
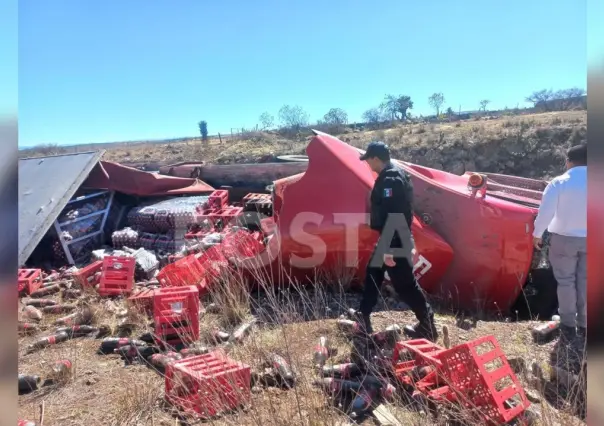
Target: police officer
(391,216)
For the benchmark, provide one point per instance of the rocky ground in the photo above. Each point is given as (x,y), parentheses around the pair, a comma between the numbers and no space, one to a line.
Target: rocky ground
(104,390)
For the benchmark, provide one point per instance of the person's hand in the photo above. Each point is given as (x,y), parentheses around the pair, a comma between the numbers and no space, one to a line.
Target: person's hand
(389,260)
(537,242)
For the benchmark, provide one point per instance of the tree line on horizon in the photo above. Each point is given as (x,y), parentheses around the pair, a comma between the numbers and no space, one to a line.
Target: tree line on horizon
(396,108)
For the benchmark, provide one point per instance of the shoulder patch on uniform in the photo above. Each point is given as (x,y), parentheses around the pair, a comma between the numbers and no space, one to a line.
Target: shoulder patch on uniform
(387,192)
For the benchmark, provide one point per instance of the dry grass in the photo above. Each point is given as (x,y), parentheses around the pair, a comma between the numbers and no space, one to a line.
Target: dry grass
(249,148)
(105,392)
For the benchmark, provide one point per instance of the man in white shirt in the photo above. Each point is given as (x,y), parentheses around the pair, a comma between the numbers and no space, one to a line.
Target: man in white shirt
(563,212)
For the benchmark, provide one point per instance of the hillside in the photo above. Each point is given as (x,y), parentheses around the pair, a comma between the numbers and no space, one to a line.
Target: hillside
(526,145)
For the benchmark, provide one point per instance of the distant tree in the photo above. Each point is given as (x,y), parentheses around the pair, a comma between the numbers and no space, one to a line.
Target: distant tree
(293,117)
(203,129)
(267,121)
(483,104)
(450,112)
(541,98)
(396,106)
(372,116)
(336,117)
(567,97)
(436,101)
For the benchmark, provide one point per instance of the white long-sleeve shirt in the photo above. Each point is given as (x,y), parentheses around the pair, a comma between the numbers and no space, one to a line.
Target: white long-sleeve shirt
(563,207)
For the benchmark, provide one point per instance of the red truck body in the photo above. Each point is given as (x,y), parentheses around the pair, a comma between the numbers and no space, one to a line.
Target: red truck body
(473,251)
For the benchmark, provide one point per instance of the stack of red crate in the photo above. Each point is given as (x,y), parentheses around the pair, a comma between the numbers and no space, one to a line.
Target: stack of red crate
(117,276)
(208,385)
(176,315)
(462,375)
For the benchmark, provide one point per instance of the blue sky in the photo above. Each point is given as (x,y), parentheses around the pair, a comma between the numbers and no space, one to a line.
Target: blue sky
(114,70)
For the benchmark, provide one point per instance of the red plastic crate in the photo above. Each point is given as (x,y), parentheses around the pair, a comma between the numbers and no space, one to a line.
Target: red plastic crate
(477,386)
(176,314)
(117,277)
(241,244)
(29,280)
(208,385)
(143,300)
(183,272)
(86,277)
(218,199)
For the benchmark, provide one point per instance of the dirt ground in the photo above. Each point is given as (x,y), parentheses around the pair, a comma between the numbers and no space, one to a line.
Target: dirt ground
(105,391)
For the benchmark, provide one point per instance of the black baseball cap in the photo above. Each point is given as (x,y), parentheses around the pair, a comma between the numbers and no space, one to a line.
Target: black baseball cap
(376,149)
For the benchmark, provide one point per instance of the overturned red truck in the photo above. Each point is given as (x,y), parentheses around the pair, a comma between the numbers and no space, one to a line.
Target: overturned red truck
(473,233)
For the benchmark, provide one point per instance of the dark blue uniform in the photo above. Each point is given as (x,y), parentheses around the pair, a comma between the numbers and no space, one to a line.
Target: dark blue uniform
(391,215)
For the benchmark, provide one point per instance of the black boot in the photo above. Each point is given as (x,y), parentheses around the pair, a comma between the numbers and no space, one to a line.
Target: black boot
(567,334)
(366,324)
(424,329)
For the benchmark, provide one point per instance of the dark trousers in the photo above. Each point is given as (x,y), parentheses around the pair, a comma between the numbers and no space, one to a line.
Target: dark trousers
(403,281)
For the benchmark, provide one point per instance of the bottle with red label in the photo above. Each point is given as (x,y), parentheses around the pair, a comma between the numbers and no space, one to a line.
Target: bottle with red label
(26,423)
(342,371)
(110,344)
(58,309)
(283,370)
(322,351)
(27,328)
(61,370)
(39,303)
(45,291)
(47,341)
(548,331)
(161,361)
(78,330)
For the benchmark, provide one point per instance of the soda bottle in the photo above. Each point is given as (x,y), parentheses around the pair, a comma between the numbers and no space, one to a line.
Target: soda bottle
(388,336)
(84,317)
(58,309)
(47,341)
(28,383)
(548,331)
(110,344)
(61,370)
(348,326)
(242,331)
(283,369)
(195,350)
(132,352)
(39,303)
(161,361)
(26,423)
(363,402)
(321,352)
(32,313)
(337,386)
(419,372)
(78,330)
(26,328)
(384,387)
(342,371)
(45,291)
